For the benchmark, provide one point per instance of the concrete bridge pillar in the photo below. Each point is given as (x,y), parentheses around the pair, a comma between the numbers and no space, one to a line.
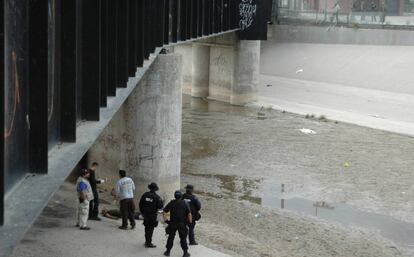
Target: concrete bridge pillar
(222,68)
(153,127)
(246,72)
(145,136)
(200,70)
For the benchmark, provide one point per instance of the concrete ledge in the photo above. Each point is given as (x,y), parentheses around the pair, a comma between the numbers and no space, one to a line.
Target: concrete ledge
(26,200)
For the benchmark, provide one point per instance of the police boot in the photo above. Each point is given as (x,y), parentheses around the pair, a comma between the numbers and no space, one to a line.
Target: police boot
(167,253)
(186,254)
(150,245)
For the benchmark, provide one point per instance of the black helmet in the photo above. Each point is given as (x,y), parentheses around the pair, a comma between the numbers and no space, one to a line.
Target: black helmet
(153,186)
(189,187)
(178,194)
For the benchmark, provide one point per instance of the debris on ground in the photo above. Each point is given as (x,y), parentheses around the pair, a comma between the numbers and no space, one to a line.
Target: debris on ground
(307,131)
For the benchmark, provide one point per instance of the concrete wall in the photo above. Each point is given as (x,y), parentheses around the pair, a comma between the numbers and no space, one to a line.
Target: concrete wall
(339,35)
(144,138)
(221,73)
(186,51)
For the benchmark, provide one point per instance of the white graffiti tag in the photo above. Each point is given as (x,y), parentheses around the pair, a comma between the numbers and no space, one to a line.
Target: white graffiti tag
(247,11)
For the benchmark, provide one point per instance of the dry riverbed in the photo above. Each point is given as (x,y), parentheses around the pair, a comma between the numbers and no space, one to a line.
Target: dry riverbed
(268,189)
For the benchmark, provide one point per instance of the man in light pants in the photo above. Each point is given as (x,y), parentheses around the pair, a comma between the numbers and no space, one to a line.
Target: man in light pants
(85,195)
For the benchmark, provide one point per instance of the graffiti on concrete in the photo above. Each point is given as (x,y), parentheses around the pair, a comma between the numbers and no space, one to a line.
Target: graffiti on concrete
(247,10)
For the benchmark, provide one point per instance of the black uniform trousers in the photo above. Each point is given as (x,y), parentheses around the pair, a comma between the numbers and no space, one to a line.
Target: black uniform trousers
(150,222)
(94,205)
(127,209)
(182,232)
(191,237)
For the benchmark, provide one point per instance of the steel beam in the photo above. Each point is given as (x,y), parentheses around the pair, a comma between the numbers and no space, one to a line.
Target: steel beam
(132,37)
(140,33)
(167,22)
(121,46)
(2,191)
(112,47)
(90,60)
(174,4)
(103,51)
(38,85)
(68,71)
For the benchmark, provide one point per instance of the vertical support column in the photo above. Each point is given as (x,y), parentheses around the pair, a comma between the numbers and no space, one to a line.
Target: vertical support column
(206,17)
(194,18)
(90,60)
(201,70)
(38,87)
(68,71)
(182,16)
(112,32)
(188,19)
(246,72)
(132,37)
(167,22)
(199,18)
(147,29)
(140,33)
(153,127)
(121,43)
(2,113)
(103,51)
(174,21)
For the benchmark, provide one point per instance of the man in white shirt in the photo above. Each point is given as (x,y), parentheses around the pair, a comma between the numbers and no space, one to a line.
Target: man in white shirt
(125,188)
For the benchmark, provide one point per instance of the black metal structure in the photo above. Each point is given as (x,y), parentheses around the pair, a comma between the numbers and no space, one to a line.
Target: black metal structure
(63,59)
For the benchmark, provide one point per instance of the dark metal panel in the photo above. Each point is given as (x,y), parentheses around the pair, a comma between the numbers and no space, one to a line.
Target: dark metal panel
(234,14)
(112,34)
(68,71)
(174,4)
(183,20)
(153,25)
(159,21)
(226,15)
(103,51)
(253,19)
(79,66)
(90,60)
(211,21)
(194,12)
(199,18)
(147,30)
(206,17)
(132,27)
(121,57)
(38,79)
(167,22)
(54,63)
(2,191)
(16,134)
(188,19)
(217,15)
(140,33)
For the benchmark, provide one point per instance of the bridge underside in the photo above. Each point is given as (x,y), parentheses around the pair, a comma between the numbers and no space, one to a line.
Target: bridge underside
(68,68)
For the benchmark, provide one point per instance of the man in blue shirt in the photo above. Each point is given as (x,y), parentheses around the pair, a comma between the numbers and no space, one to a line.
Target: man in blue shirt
(85,195)
(125,188)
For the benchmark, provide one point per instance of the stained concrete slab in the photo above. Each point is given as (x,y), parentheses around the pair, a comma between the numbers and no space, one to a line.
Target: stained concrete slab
(54,235)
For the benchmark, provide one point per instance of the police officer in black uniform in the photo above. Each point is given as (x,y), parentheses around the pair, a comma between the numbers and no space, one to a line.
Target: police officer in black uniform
(195,207)
(149,205)
(180,215)
(94,204)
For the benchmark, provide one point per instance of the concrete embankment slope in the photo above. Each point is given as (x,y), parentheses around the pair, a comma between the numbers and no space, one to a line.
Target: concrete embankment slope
(54,235)
(370,85)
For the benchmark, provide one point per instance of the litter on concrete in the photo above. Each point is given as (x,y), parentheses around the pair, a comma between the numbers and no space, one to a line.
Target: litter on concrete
(307,131)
